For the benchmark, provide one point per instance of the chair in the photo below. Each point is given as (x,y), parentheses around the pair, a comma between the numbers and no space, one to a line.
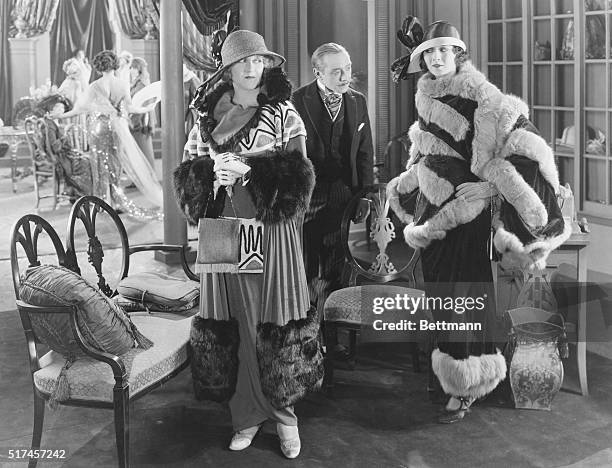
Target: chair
(43,163)
(396,156)
(88,211)
(344,308)
(100,380)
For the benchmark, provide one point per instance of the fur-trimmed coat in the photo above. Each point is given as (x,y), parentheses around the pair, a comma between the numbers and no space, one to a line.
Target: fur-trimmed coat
(280,185)
(464,119)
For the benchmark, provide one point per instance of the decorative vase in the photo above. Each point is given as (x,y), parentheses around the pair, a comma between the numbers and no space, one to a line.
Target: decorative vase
(536,370)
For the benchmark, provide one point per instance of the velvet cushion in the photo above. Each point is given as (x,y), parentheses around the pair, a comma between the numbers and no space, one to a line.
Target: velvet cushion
(103,324)
(159,292)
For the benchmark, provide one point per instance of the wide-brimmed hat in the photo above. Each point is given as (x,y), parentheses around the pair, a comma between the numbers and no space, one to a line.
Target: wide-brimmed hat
(436,34)
(239,45)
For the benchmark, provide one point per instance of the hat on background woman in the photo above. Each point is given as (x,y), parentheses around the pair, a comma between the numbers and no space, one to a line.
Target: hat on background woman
(239,45)
(417,41)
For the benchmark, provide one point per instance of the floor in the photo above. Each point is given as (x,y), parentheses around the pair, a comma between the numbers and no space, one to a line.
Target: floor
(379,414)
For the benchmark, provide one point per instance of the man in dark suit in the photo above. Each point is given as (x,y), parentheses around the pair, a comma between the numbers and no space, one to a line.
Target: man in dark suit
(339,143)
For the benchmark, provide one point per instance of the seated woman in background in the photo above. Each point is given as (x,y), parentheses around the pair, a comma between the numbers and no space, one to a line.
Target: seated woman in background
(73,167)
(141,125)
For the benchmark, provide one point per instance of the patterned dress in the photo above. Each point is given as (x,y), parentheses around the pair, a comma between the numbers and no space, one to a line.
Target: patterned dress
(280,293)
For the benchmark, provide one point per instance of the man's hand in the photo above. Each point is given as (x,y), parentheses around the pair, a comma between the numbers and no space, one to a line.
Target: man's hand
(362,211)
(475,191)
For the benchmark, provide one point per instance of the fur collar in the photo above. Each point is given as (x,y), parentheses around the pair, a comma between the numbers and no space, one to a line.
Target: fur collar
(276,88)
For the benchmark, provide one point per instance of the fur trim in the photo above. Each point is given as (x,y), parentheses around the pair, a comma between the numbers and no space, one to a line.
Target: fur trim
(435,188)
(445,117)
(476,376)
(281,185)
(214,360)
(393,195)
(290,360)
(455,213)
(534,147)
(424,143)
(277,87)
(193,187)
(516,191)
(530,256)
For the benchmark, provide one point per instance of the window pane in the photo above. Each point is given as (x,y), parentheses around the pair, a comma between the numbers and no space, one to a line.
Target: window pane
(563,6)
(543,121)
(566,136)
(564,36)
(541,7)
(595,37)
(541,31)
(566,171)
(496,75)
(514,80)
(595,180)
(514,42)
(495,43)
(495,9)
(565,86)
(592,5)
(513,9)
(594,136)
(594,86)
(541,85)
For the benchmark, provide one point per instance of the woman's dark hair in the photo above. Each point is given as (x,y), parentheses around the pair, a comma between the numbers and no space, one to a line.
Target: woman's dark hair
(105,61)
(461,56)
(47,103)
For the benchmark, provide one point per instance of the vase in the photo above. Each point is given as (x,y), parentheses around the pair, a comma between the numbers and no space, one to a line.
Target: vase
(536,369)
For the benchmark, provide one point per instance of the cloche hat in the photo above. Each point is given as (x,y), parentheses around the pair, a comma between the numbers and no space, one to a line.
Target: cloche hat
(412,36)
(437,34)
(239,45)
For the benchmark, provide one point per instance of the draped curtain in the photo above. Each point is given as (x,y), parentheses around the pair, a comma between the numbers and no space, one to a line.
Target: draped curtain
(37,14)
(133,15)
(196,47)
(210,15)
(80,24)
(5,65)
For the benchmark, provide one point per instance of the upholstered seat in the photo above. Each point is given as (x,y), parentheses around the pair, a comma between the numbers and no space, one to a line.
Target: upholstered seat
(355,305)
(93,380)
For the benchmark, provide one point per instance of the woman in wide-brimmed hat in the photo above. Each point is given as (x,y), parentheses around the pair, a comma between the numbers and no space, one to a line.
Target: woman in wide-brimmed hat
(255,339)
(477,167)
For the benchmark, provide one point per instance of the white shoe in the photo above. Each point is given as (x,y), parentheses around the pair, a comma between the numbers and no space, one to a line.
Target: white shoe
(242,439)
(289,440)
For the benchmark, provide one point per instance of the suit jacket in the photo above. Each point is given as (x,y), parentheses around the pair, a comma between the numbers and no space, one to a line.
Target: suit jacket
(308,104)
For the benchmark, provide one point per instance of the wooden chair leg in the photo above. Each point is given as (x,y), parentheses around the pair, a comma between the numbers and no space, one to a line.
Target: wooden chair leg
(122,425)
(331,339)
(39,417)
(36,191)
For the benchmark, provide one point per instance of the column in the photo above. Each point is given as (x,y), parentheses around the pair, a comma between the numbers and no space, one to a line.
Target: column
(173,133)
(248,15)
(30,64)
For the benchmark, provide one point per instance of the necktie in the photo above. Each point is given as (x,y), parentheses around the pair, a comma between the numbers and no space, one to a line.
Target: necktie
(333,101)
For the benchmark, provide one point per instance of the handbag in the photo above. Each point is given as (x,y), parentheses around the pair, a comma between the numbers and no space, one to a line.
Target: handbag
(229,245)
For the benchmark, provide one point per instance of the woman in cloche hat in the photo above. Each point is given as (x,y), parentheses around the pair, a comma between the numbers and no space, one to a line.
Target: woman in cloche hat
(478,171)
(255,338)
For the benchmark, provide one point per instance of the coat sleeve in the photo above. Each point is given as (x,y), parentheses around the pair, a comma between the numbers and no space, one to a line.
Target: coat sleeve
(365,151)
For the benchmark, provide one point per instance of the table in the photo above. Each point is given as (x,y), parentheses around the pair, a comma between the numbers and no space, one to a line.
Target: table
(14,137)
(575,247)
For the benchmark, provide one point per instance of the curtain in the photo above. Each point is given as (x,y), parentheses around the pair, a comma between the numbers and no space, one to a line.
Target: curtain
(210,15)
(37,14)
(196,47)
(5,65)
(80,24)
(133,15)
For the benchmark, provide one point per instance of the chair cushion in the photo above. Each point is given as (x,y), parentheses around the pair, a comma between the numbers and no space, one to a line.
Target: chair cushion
(355,305)
(159,292)
(104,325)
(93,380)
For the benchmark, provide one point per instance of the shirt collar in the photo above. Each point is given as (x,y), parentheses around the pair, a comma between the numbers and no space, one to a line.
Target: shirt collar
(325,90)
